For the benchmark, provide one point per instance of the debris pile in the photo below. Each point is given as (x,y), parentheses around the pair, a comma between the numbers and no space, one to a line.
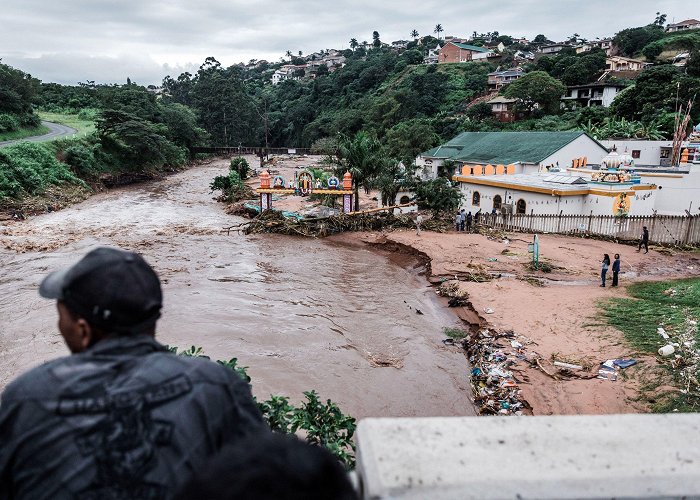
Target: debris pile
(494,383)
(270,221)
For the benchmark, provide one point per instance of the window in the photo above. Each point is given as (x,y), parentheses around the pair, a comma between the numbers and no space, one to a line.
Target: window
(636,153)
(476,198)
(520,207)
(404,199)
(497,202)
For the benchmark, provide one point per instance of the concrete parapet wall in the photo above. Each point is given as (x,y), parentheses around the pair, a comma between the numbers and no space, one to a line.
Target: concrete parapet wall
(586,457)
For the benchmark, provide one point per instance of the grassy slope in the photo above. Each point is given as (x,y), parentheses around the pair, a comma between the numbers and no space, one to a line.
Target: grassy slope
(83,126)
(22,133)
(671,305)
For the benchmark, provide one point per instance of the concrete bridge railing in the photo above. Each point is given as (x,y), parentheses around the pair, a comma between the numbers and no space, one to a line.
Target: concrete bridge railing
(585,457)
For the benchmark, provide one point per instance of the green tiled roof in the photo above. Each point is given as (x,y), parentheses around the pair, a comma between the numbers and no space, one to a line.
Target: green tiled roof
(502,148)
(470,47)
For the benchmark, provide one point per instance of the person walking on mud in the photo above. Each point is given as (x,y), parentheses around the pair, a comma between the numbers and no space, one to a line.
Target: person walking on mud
(604,268)
(462,219)
(122,416)
(616,269)
(469,221)
(644,240)
(458,221)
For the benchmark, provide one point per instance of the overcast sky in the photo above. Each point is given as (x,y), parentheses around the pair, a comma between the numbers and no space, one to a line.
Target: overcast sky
(70,41)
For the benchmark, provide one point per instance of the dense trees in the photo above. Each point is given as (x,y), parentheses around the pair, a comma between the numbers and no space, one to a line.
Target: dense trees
(655,95)
(631,41)
(536,89)
(17,91)
(572,68)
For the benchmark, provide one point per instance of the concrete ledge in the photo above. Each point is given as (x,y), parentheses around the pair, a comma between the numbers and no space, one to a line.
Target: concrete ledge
(589,457)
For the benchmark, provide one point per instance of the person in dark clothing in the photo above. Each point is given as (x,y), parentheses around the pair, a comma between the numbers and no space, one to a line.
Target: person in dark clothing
(469,221)
(604,268)
(122,417)
(616,269)
(274,466)
(644,240)
(462,219)
(477,215)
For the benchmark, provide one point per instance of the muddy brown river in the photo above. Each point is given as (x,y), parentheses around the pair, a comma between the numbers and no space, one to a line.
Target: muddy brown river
(302,314)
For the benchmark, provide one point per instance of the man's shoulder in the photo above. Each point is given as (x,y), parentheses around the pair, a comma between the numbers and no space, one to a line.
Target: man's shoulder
(201,368)
(35,382)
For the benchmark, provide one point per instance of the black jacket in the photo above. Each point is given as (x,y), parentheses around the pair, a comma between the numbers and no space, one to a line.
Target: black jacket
(124,419)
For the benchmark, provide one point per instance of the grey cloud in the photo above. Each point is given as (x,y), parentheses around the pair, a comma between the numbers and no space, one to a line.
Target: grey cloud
(120,38)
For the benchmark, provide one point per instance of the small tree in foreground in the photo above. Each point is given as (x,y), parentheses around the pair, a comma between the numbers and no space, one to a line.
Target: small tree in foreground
(438,195)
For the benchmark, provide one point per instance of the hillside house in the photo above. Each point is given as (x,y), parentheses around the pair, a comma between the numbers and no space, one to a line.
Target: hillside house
(503,109)
(433,55)
(593,94)
(285,72)
(553,48)
(688,24)
(605,44)
(454,52)
(619,63)
(399,44)
(499,79)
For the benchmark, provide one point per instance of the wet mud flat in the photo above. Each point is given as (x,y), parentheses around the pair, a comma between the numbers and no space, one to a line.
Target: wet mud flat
(302,314)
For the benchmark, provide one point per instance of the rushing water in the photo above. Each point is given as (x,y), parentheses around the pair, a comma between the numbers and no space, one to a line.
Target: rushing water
(302,314)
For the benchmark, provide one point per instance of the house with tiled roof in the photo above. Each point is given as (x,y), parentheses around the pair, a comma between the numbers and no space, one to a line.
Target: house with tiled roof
(688,24)
(455,52)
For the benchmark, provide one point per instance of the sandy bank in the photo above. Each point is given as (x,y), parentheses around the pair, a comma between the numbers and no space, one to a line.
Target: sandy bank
(554,314)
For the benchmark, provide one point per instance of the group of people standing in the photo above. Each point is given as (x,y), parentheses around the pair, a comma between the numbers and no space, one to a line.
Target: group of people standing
(606,266)
(643,242)
(464,220)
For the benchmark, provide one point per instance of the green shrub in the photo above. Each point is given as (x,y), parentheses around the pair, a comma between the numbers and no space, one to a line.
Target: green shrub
(8,123)
(82,159)
(27,168)
(240,166)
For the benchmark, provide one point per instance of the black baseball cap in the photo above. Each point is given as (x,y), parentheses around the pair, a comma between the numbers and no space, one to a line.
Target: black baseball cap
(112,289)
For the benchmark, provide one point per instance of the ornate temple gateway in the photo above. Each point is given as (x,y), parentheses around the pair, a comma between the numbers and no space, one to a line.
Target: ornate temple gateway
(303,184)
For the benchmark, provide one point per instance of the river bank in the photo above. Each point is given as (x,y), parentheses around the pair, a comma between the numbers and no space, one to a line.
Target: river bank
(555,316)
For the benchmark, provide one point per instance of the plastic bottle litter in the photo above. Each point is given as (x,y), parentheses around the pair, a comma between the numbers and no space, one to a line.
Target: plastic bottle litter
(662,332)
(667,350)
(488,310)
(568,366)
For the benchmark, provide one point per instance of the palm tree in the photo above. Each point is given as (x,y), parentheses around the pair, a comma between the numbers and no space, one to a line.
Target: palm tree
(289,55)
(364,44)
(414,33)
(361,156)
(301,53)
(438,29)
(354,44)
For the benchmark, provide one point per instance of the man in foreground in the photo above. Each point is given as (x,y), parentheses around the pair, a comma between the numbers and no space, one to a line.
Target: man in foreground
(122,417)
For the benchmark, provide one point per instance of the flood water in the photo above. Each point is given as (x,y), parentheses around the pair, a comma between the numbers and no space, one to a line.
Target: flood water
(302,314)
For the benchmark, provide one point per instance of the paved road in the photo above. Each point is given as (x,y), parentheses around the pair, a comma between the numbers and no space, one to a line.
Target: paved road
(56,130)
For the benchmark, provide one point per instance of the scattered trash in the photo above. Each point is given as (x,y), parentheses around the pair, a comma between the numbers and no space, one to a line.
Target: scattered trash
(515,344)
(448,341)
(624,363)
(662,332)
(492,259)
(667,350)
(607,373)
(488,310)
(568,366)
(418,311)
(494,385)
